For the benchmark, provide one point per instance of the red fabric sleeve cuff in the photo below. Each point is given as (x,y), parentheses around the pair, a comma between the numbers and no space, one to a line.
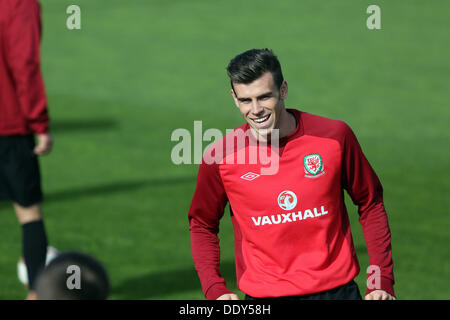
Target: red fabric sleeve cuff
(40,127)
(216,290)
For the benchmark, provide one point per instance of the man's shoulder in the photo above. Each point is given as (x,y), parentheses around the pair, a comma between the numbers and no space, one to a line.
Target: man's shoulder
(242,131)
(322,126)
(227,144)
(313,120)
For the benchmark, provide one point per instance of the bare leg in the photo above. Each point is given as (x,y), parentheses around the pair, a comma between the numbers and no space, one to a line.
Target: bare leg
(28,214)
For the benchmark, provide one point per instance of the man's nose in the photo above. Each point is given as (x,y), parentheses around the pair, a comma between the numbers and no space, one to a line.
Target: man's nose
(256,107)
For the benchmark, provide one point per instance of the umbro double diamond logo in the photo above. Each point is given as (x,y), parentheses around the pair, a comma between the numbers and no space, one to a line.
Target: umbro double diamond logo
(250,176)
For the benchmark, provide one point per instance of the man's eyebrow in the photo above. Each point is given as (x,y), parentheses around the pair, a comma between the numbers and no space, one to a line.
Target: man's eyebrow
(263,95)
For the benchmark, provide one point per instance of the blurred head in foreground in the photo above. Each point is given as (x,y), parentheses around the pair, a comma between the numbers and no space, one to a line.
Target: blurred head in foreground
(73,276)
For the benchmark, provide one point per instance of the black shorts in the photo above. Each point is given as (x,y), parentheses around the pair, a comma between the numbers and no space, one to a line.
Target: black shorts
(349,291)
(20,178)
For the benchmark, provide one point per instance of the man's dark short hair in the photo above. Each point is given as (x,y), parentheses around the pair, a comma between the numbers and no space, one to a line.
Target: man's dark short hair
(252,64)
(51,283)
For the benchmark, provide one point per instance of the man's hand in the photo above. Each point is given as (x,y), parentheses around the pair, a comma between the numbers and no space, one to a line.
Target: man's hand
(228,296)
(44,145)
(379,295)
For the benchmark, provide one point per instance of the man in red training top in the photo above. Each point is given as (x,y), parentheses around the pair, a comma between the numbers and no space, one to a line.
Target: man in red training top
(292,232)
(23,113)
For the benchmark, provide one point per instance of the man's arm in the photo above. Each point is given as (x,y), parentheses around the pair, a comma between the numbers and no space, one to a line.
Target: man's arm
(207,208)
(364,187)
(23,58)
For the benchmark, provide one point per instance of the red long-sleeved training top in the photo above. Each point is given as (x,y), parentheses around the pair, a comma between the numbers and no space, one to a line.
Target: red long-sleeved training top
(23,103)
(292,233)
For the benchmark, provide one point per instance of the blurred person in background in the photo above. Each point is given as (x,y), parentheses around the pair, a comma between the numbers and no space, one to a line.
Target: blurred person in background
(23,115)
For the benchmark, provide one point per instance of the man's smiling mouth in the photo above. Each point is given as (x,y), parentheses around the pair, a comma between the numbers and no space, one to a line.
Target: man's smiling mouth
(261,120)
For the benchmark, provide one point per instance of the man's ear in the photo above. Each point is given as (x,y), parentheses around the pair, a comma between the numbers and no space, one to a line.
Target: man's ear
(284,90)
(236,101)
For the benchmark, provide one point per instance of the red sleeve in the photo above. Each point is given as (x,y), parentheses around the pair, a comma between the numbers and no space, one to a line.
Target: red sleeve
(364,187)
(207,208)
(23,45)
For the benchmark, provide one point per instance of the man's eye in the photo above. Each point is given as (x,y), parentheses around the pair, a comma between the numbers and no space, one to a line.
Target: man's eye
(245,101)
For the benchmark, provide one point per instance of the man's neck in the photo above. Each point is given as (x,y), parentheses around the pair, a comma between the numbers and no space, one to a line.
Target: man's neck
(287,123)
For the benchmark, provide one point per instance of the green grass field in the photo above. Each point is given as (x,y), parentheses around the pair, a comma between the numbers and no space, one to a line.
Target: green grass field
(139,69)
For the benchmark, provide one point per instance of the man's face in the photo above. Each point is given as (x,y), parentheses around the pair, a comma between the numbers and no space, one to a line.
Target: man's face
(261,103)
